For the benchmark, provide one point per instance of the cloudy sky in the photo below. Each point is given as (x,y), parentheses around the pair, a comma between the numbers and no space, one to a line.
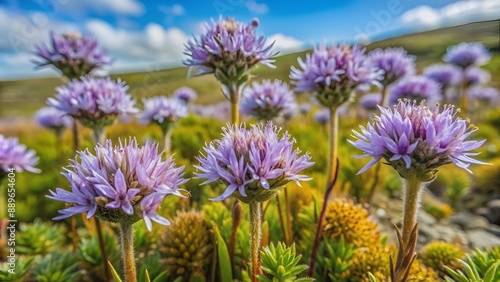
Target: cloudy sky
(148,35)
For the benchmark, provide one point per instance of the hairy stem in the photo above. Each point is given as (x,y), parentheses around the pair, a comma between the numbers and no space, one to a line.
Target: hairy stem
(334,144)
(127,244)
(411,202)
(235,115)
(255,237)
(76,139)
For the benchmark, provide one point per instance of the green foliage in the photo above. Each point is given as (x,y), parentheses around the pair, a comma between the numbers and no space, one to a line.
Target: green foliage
(90,256)
(40,238)
(438,254)
(334,259)
(457,190)
(57,267)
(22,266)
(280,264)
(471,273)
(483,260)
(438,210)
(225,268)
(154,268)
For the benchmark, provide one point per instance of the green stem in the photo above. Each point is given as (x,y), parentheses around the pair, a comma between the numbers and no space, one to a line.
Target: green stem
(385,96)
(167,141)
(255,237)
(282,222)
(334,144)
(234,97)
(411,202)
(288,214)
(76,138)
(99,135)
(463,94)
(127,244)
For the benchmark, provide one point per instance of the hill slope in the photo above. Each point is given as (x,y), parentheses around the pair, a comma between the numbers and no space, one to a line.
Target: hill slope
(23,97)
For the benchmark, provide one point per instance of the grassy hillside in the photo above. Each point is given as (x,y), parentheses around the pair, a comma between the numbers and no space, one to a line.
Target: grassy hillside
(23,97)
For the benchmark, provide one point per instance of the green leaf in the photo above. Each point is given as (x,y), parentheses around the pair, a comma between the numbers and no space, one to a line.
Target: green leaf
(490,274)
(224,260)
(115,275)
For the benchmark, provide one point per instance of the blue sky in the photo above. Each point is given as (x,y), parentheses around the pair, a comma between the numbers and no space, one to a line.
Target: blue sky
(148,35)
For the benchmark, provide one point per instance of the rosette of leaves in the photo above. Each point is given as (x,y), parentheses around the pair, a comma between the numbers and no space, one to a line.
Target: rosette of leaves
(280,264)
(471,273)
(91,258)
(152,267)
(22,267)
(57,267)
(483,260)
(40,238)
(334,258)
(438,254)
(186,246)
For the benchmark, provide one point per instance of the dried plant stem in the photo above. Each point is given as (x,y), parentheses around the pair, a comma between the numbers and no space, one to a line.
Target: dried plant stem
(104,255)
(127,244)
(255,237)
(282,222)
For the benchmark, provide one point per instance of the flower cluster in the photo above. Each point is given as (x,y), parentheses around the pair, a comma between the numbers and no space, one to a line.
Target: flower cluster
(370,101)
(415,88)
(268,100)
(476,76)
(96,102)
(185,94)
(253,163)
(416,141)
(53,118)
(228,49)
(163,110)
(395,62)
(444,74)
(332,73)
(121,183)
(74,55)
(16,156)
(466,54)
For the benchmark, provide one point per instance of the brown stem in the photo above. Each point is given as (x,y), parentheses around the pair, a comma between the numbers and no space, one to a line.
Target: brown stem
(255,237)
(76,139)
(333,149)
(319,227)
(411,203)
(373,186)
(103,249)
(282,222)
(385,96)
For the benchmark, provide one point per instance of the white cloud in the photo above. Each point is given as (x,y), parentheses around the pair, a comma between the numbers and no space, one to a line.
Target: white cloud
(174,10)
(425,17)
(119,7)
(285,44)
(257,8)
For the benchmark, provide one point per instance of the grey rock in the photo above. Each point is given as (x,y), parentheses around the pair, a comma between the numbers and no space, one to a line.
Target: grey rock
(425,218)
(494,229)
(482,239)
(469,221)
(494,211)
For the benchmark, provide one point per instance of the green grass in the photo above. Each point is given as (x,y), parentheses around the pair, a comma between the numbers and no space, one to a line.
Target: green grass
(24,97)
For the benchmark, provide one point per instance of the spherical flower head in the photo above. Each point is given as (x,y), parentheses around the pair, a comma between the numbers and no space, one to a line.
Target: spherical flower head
(444,74)
(488,95)
(16,156)
(73,54)
(53,118)
(395,62)
(267,100)
(416,140)
(228,49)
(476,76)
(95,102)
(304,108)
(467,54)
(415,88)
(322,116)
(333,73)
(122,183)
(185,94)
(370,101)
(253,163)
(163,111)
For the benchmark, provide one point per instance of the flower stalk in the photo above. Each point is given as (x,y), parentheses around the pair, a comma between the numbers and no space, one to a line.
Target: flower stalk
(463,94)
(127,245)
(167,140)
(255,237)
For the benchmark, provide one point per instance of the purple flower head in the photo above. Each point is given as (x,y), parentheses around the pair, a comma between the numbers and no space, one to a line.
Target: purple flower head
(163,111)
(185,94)
(253,163)
(53,118)
(444,74)
(15,156)
(476,76)
(334,72)
(322,116)
(370,101)
(95,102)
(467,54)
(73,54)
(121,183)
(488,95)
(305,108)
(267,100)
(416,141)
(228,49)
(220,111)
(415,88)
(395,62)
